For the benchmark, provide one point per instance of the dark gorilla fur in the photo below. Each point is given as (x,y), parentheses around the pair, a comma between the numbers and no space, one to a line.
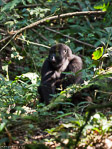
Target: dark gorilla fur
(60,60)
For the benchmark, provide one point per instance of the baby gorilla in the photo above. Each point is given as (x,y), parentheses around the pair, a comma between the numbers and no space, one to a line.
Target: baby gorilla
(60,60)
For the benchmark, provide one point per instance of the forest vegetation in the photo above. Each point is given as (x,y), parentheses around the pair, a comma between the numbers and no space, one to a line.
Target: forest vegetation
(28,29)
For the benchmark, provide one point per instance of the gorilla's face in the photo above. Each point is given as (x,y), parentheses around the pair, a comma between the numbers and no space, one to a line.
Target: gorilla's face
(57,55)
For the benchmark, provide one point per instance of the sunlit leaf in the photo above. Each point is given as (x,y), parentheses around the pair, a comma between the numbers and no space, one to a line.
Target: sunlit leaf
(103,6)
(96,116)
(97,53)
(5,67)
(68,125)
(32,76)
(2,125)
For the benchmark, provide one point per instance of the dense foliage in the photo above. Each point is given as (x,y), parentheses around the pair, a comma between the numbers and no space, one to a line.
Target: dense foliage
(26,34)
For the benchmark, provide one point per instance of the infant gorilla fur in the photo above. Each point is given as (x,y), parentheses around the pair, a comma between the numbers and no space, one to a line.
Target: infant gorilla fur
(60,60)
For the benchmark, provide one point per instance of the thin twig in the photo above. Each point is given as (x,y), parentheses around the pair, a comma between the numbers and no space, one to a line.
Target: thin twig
(28,6)
(42,36)
(33,43)
(5,39)
(8,42)
(100,106)
(86,18)
(67,36)
(9,136)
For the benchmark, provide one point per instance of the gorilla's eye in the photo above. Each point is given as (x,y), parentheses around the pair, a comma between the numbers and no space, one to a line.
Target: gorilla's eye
(65,51)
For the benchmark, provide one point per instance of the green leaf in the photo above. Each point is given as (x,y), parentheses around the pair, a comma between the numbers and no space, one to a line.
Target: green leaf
(30,1)
(11,5)
(24,2)
(103,6)
(97,53)
(53,9)
(108,29)
(3,140)
(2,125)
(63,115)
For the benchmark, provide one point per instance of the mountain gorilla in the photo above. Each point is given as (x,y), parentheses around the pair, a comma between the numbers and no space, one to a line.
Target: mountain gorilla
(60,60)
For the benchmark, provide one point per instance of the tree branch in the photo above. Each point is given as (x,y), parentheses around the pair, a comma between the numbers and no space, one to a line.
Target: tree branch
(83,13)
(14,33)
(67,36)
(100,106)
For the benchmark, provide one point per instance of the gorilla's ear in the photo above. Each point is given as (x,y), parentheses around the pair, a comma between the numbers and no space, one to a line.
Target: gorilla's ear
(69,52)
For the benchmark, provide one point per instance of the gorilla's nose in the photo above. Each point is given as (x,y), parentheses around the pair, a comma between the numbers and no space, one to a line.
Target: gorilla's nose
(53,59)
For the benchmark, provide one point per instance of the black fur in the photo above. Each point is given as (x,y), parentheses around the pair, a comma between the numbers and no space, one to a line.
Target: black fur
(60,60)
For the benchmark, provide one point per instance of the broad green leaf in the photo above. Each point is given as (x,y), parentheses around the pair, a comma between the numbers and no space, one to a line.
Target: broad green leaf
(97,53)
(53,9)
(108,29)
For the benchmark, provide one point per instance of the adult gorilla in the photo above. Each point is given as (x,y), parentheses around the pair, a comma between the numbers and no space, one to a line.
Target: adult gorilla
(53,73)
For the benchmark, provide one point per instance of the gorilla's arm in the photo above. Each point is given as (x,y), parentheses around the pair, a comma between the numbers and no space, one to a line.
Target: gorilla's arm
(48,79)
(74,67)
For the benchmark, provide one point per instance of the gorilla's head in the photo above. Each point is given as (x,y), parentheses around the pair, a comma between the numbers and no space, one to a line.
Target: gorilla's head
(58,54)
